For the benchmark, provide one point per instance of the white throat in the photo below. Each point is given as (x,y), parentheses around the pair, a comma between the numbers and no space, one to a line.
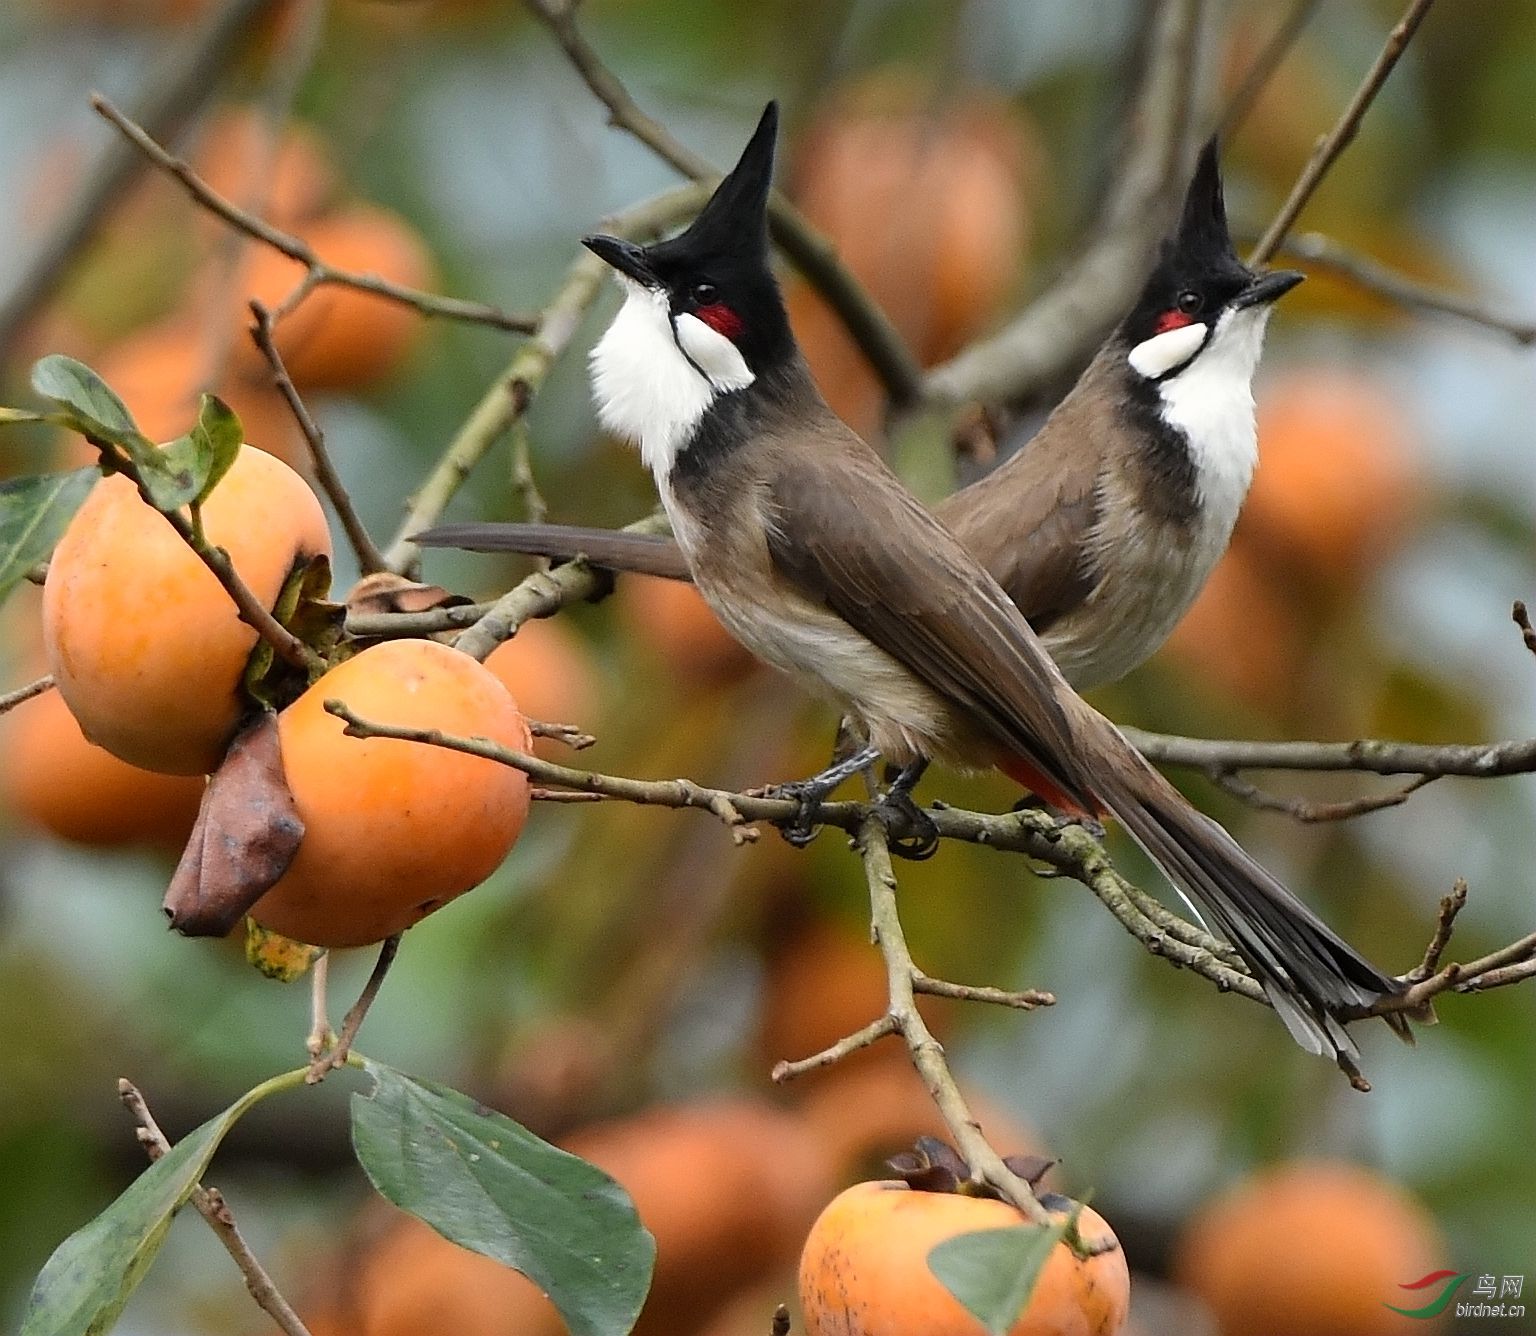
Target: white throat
(653,386)
(1211,402)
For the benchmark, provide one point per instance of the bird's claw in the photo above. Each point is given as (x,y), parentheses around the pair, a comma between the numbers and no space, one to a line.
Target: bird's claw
(912,832)
(807,795)
(1060,820)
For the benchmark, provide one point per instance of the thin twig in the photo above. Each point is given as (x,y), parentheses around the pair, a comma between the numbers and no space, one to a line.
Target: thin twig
(780,1324)
(11,699)
(317,271)
(512,393)
(369,558)
(1450,906)
(568,734)
(927,1053)
(320,1036)
(811,253)
(1265,64)
(414,625)
(1313,813)
(541,594)
(1028,999)
(253,612)
(210,1204)
(191,76)
(788,1070)
(352,1022)
(524,484)
(1321,252)
(1522,619)
(1071,849)
(1376,756)
(1338,139)
(1058,331)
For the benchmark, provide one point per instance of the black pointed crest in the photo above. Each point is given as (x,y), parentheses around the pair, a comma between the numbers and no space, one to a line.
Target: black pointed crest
(734,222)
(1202,229)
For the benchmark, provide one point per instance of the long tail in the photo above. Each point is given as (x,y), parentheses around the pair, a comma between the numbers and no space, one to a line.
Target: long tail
(613,549)
(1311,975)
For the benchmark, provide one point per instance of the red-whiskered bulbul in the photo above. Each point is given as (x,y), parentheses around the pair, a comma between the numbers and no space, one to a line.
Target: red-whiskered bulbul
(814,555)
(1106,525)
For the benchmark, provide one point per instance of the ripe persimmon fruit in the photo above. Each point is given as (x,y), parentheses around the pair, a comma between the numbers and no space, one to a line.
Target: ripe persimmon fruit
(1311,1248)
(339,337)
(865,1267)
(145,644)
(394,829)
(51,776)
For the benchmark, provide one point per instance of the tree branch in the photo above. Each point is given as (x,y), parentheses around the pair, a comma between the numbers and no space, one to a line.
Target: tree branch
(810,252)
(11,699)
(210,1204)
(1339,138)
(927,1054)
(369,558)
(1059,330)
(318,272)
(1321,252)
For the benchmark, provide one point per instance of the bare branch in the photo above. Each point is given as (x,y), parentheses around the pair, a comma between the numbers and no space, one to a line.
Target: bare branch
(811,253)
(336,1056)
(1320,252)
(1339,138)
(210,1204)
(1059,330)
(927,1053)
(11,699)
(872,1033)
(369,558)
(542,594)
(1522,619)
(1480,760)
(318,272)
(1313,813)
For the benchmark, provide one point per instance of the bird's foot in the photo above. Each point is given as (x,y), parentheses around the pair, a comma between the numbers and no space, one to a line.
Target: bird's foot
(1059,819)
(911,832)
(809,794)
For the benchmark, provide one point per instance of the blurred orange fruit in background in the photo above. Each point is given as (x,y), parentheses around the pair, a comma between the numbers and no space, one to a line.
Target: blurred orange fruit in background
(672,619)
(549,671)
(1311,1248)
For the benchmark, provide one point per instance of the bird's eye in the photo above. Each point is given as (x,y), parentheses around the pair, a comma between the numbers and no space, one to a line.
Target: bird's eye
(706,294)
(1190,301)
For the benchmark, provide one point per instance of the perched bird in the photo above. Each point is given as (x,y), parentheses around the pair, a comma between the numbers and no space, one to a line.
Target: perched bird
(814,555)
(1104,527)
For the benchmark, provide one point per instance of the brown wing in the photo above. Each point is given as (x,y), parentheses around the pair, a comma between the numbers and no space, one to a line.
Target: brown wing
(863,546)
(1029,521)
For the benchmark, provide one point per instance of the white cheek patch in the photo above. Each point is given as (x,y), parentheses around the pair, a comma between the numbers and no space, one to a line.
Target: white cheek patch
(714,354)
(1156,357)
(648,389)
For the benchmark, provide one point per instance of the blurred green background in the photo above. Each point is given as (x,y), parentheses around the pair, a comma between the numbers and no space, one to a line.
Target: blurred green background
(621,956)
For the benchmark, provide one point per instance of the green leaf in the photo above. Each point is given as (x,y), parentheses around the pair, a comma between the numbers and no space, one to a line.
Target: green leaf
(33,514)
(193,463)
(171,478)
(83,1287)
(992,1272)
(91,401)
(490,1185)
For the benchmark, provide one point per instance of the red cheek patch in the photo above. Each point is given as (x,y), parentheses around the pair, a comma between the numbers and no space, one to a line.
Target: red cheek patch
(720,318)
(1174,319)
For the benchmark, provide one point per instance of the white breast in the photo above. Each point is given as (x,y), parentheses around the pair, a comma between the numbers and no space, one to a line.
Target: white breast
(649,389)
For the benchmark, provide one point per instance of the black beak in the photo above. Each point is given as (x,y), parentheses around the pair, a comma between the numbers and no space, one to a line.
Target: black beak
(1268,287)
(628,258)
